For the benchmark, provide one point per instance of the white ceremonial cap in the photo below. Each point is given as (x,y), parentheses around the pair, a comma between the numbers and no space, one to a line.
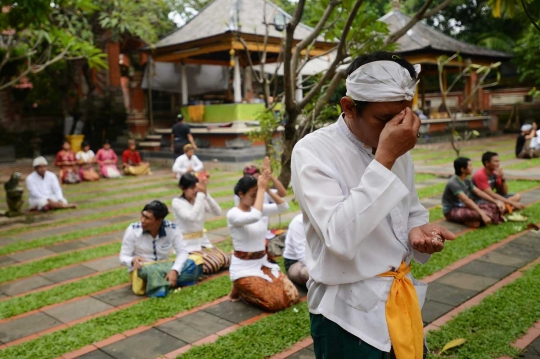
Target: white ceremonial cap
(382,81)
(39,161)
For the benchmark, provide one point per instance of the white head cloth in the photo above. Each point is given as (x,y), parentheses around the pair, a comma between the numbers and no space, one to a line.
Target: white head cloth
(381,81)
(526,127)
(39,161)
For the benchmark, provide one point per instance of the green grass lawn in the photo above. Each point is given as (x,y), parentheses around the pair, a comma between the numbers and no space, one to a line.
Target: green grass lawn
(497,321)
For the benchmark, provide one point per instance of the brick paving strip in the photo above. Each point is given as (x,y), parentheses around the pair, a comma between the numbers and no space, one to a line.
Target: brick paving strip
(32,325)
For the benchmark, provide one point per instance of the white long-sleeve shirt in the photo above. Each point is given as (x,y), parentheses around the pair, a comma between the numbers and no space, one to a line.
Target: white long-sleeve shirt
(248,232)
(182,163)
(190,218)
(138,243)
(266,219)
(43,188)
(295,240)
(357,217)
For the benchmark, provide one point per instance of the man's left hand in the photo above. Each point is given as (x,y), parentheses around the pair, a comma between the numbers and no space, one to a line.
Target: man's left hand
(172,277)
(429,238)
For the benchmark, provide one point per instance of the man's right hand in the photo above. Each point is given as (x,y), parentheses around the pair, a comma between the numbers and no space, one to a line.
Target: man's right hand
(201,185)
(398,137)
(137,262)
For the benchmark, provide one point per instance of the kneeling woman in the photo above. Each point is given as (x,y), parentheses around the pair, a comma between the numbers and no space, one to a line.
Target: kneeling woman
(189,214)
(255,279)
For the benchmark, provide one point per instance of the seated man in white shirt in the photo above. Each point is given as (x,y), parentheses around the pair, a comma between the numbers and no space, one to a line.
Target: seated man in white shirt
(187,163)
(44,188)
(354,181)
(294,254)
(152,240)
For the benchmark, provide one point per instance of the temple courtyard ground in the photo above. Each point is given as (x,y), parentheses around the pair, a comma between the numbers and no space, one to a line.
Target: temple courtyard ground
(63,293)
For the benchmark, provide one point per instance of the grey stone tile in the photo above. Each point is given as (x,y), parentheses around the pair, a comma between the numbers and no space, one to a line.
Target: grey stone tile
(529,239)
(220,231)
(118,296)
(447,294)
(68,273)
(527,355)
(235,312)
(433,310)
(7,260)
(122,219)
(106,238)
(78,309)
(104,264)
(302,354)
(194,326)
(534,347)
(22,327)
(96,354)
(454,227)
(31,254)
(24,285)
(310,347)
(516,250)
(467,281)
(503,259)
(66,247)
(148,344)
(487,269)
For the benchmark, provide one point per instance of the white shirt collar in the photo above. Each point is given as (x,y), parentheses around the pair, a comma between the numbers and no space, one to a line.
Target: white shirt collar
(343,128)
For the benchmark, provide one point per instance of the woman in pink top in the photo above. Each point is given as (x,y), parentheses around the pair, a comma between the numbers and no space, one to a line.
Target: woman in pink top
(106,158)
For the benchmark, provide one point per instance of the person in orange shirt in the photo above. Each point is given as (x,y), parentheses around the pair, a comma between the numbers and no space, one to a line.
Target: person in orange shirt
(131,160)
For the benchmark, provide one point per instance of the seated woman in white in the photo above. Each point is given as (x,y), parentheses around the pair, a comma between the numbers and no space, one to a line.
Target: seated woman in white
(255,279)
(189,211)
(187,163)
(294,254)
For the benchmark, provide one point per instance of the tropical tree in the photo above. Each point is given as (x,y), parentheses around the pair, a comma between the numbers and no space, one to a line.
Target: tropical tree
(340,20)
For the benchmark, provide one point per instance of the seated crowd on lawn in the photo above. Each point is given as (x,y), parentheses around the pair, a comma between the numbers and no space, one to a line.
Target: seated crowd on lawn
(482,199)
(255,276)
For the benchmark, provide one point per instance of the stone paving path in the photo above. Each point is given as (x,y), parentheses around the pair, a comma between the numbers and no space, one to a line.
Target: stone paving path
(448,290)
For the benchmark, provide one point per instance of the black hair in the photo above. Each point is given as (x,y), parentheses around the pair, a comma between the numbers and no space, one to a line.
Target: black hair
(188,180)
(244,185)
(460,163)
(66,141)
(486,157)
(378,56)
(84,144)
(106,142)
(179,118)
(158,208)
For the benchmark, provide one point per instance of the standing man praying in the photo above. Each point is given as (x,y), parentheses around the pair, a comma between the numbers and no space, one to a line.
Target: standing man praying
(367,224)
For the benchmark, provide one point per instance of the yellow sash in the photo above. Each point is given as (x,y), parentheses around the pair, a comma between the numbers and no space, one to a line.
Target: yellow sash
(403,316)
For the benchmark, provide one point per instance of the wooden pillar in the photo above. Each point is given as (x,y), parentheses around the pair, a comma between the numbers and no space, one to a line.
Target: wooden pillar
(113,59)
(248,84)
(473,80)
(237,82)
(184,85)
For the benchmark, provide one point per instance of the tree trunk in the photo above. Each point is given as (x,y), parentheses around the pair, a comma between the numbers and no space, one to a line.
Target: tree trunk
(288,144)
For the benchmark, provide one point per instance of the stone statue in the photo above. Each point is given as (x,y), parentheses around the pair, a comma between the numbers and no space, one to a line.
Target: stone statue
(14,195)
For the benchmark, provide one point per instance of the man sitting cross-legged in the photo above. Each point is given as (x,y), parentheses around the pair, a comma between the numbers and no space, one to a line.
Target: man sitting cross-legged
(490,179)
(145,252)
(44,188)
(459,195)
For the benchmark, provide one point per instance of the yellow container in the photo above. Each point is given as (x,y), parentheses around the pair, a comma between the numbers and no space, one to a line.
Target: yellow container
(75,142)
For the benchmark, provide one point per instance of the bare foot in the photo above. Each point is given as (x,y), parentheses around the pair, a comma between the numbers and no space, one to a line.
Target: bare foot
(233,295)
(472,224)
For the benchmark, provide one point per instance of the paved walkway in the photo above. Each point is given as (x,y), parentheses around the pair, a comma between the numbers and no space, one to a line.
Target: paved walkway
(111,203)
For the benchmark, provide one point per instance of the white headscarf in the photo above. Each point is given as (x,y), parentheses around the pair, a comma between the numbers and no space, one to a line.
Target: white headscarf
(382,81)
